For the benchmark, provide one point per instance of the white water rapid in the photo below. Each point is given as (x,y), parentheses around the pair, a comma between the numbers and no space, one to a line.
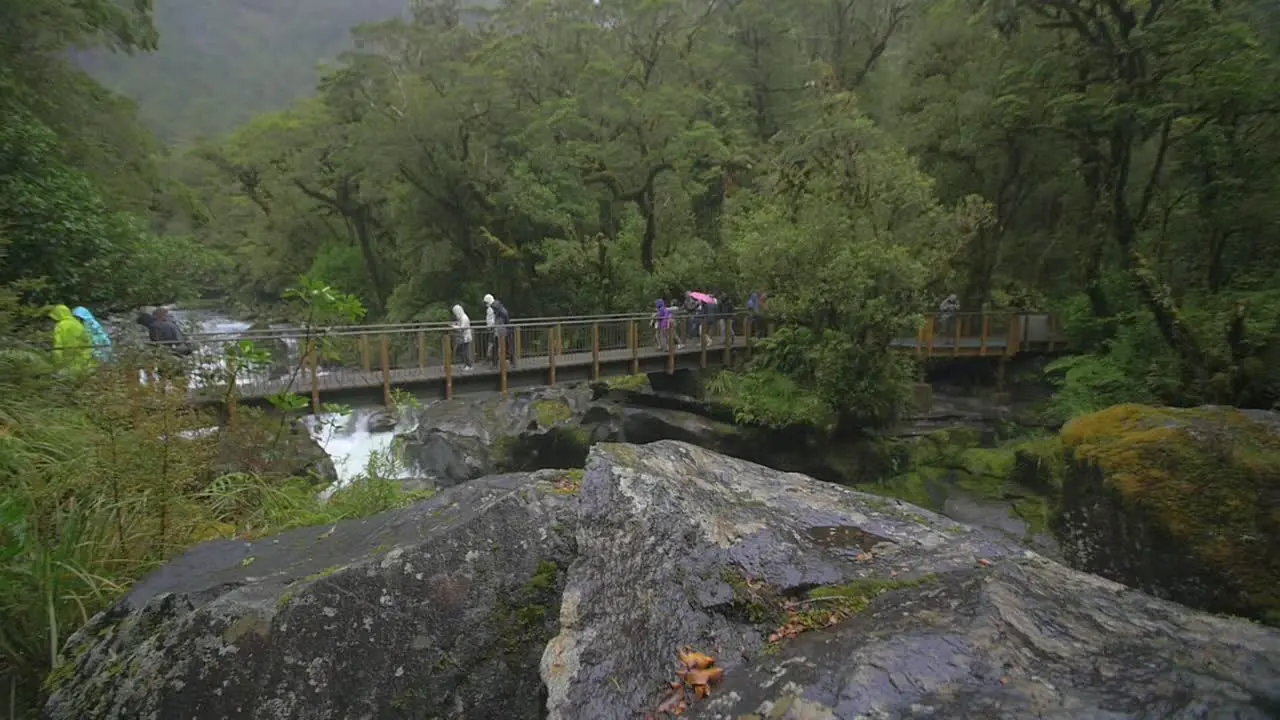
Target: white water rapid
(347,439)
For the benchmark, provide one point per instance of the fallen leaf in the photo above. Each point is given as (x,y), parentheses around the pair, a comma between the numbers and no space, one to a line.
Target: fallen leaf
(696,660)
(863,557)
(984,562)
(704,677)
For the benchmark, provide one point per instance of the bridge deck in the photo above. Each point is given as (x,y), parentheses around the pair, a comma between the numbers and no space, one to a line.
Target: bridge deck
(409,356)
(345,379)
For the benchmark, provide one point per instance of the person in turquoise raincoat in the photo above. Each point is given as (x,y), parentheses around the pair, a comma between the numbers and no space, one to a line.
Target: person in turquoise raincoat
(101,341)
(72,344)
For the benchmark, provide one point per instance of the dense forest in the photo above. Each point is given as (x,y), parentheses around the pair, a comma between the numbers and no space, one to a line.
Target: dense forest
(1114,161)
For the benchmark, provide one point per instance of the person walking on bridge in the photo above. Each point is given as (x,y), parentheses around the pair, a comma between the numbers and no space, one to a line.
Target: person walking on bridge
(72,344)
(661,323)
(462,324)
(497,317)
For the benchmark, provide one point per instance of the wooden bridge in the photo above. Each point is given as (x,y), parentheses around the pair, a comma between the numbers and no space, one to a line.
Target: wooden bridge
(344,362)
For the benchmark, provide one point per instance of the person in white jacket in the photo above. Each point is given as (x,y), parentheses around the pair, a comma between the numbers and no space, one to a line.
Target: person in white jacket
(462,324)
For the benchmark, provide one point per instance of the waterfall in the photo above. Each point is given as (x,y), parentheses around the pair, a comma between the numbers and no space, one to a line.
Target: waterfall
(352,444)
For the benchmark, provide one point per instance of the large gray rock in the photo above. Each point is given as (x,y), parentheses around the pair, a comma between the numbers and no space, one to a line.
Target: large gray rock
(964,625)
(437,610)
(1024,638)
(454,441)
(461,608)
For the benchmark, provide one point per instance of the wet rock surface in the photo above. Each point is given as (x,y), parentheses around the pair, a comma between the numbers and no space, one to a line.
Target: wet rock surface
(967,625)
(1023,638)
(567,595)
(437,610)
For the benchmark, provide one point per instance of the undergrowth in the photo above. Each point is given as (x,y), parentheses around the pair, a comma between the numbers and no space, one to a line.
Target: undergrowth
(103,479)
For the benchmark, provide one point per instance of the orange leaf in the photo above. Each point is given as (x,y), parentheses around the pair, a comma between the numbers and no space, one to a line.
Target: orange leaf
(700,691)
(704,677)
(984,562)
(696,660)
(863,557)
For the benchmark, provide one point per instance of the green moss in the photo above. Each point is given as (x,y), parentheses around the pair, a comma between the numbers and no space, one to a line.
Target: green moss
(1205,476)
(284,599)
(544,577)
(523,616)
(848,599)
(551,412)
(623,454)
(569,482)
(634,383)
(324,573)
(753,601)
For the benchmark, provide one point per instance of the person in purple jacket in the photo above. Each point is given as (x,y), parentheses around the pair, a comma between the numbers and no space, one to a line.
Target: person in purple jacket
(661,323)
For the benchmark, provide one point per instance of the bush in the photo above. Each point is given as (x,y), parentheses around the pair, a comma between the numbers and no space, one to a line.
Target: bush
(102,480)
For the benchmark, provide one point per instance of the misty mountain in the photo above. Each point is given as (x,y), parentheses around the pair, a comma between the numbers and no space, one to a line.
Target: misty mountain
(221,62)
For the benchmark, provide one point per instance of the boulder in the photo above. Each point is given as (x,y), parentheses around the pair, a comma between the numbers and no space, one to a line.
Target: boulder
(568,594)
(453,441)
(259,445)
(440,610)
(817,601)
(1181,503)
(381,421)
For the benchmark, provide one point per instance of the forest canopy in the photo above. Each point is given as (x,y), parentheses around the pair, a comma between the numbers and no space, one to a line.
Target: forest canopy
(1112,161)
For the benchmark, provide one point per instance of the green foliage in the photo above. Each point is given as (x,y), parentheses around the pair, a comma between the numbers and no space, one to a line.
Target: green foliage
(770,398)
(102,479)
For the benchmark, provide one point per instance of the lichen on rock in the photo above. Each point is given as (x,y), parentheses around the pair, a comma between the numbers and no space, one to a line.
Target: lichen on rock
(1183,503)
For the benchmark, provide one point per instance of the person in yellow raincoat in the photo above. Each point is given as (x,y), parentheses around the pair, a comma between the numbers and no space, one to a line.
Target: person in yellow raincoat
(72,344)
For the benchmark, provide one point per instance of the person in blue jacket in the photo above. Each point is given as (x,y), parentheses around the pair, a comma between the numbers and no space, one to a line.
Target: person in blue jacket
(101,341)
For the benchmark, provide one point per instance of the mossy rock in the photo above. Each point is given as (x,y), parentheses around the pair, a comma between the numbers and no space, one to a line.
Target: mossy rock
(1182,503)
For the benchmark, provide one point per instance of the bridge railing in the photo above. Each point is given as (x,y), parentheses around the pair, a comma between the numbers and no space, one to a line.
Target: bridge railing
(321,360)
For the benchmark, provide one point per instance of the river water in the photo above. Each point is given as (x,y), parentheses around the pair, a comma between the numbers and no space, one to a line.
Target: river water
(347,439)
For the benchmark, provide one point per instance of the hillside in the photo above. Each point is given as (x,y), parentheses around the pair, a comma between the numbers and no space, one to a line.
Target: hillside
(219,63)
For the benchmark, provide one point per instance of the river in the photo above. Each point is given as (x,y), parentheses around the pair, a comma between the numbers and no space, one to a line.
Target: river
(346,438)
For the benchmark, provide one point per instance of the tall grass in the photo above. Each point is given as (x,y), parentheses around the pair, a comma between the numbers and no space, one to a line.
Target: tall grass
(101,481)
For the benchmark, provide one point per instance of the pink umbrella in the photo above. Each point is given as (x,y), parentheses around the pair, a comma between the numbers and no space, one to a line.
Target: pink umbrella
(702,298)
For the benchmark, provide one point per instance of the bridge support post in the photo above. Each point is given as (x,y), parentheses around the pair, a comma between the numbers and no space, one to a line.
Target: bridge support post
(502,364)
(515,334)
(595,352)
(728,341)
(553,346)
(314,361)
(446,352)
(746,330)
(633,340)
(364,354)
(385,342)
(422,350)
(671,348)
(702,332)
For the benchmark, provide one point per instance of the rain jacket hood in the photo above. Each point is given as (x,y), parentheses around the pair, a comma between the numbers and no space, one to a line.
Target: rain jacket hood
(463,323)
(101,341)
(488,300)
(59,313)
(72,344)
